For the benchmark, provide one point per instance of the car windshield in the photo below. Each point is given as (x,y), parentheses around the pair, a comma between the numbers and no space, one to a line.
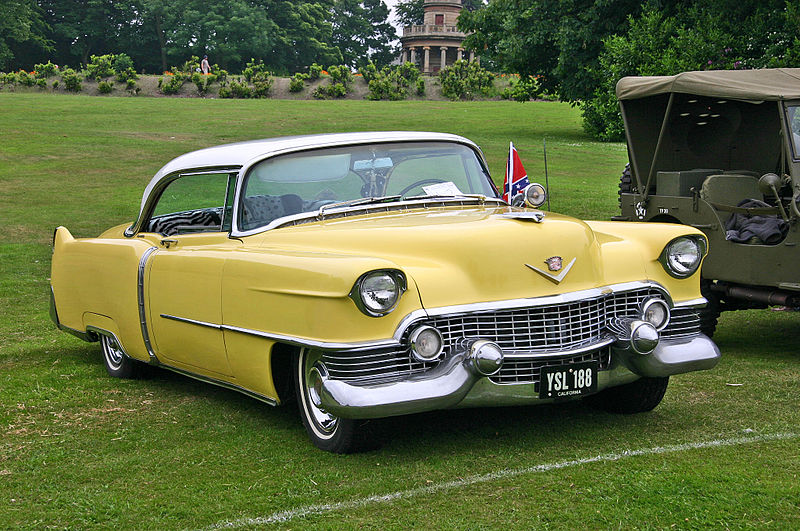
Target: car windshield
(309,180)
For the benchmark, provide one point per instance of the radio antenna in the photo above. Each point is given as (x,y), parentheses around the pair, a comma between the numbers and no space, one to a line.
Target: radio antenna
(546,180)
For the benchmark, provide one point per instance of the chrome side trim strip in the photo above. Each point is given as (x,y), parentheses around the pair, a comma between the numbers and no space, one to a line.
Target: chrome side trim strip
(321,345)
(222,383)
(142,312)
(191,321)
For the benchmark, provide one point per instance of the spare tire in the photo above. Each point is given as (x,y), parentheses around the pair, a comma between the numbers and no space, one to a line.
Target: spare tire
(626,184)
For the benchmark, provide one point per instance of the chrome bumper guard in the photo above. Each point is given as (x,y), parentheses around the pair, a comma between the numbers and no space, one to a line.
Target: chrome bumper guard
(448,384)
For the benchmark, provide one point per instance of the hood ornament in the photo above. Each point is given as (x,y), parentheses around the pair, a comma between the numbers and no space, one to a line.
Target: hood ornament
(537,216)
(554,263)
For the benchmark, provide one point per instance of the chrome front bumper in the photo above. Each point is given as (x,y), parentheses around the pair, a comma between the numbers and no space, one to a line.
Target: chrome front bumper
(457,382)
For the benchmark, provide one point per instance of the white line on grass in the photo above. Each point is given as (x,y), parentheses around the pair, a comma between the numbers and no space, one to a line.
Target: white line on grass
(308,510)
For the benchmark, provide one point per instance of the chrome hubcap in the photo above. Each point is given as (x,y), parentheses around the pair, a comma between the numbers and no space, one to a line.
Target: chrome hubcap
(113,352)
(312,382)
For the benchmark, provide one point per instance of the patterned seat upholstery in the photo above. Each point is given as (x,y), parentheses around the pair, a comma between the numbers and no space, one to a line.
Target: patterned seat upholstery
(170,224)
(260,210)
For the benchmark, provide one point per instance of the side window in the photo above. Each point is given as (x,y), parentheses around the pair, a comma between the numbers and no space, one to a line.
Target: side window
(193,203)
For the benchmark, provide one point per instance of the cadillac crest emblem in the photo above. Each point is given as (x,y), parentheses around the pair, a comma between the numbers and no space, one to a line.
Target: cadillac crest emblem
(557,269)
(553,263)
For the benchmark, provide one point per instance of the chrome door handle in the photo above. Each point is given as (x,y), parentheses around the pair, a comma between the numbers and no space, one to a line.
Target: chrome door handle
(167,243)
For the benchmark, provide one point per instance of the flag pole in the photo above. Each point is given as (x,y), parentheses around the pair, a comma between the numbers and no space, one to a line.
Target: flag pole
(546,180)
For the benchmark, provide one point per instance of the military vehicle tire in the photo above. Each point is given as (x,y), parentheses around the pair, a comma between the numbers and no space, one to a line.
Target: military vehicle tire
(626,185)
(636,397)
(710,313)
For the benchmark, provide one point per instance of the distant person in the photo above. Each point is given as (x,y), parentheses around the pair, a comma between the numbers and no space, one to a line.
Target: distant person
(204,66)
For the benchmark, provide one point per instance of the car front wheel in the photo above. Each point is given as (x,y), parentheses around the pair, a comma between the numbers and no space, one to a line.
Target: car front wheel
(328,432)
(636,397)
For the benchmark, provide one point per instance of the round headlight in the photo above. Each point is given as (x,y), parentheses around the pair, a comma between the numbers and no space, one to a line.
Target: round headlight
(682,257)
(656,312)
(535,195)
(377,292)
(426,343)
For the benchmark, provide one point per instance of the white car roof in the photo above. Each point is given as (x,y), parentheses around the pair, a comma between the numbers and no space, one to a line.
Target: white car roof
(241,154)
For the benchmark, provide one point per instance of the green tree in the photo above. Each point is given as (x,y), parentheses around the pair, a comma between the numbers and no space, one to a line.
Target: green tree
(362,32)
(21,30)
(557,41)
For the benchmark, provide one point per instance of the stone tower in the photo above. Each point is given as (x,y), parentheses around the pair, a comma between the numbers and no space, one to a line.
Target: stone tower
(437,42)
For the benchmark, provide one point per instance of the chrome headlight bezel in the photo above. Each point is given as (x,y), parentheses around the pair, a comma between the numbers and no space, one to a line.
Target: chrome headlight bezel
(367,304)
(671,250)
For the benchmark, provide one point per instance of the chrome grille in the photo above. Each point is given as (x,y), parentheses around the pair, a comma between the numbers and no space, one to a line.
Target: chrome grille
(683,322)
(543,329)
(372,365)
(517,371)
(554,331)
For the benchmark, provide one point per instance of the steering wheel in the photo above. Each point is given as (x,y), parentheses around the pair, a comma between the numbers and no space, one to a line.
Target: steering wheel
(421,182)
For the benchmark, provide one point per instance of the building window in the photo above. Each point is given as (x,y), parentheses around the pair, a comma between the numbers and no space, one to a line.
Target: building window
(439,20)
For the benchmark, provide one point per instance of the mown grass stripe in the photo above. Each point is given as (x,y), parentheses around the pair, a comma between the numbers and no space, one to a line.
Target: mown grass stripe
(311,510)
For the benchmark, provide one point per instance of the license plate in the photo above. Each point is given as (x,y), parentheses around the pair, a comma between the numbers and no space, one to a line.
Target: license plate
(568,381)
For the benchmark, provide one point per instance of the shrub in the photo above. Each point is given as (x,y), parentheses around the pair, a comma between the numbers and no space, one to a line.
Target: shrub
(41,83)
(105,87)
(24,78)
(55,84)
(100,67)
(189,67)
(172,83)
(368,72)
(225,92)
(131,85)
(127,75)
(122,63)
(297,82)
(331,90)
(340,74)
(222,75)
(255,70)
(8,79)
(240,90)
(523,89)
(465,80)
(393,83)
(71,79)
(202,82)
(262,87)
(45,70)
(314,71)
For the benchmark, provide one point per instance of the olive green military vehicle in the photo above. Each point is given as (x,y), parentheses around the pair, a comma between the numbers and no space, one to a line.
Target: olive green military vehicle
(720,151)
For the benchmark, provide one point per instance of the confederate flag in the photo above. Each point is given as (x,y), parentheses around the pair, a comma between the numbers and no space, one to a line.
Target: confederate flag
(516,176)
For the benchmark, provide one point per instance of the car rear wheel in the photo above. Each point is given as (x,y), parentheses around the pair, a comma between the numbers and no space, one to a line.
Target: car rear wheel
(636,397)
(118,364)
(328,432)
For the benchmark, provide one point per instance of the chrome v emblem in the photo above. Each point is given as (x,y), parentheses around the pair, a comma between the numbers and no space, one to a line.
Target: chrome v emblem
(555,278)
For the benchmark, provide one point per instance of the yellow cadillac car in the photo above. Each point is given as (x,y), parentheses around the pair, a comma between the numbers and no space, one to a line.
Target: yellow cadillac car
(370,275)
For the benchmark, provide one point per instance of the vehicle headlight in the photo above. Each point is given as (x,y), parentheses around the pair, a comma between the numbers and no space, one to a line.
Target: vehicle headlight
(656,312)
(426,343)
(376,293)
(682,256)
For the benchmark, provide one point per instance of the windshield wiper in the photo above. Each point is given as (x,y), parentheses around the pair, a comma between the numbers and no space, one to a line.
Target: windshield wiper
(357,202)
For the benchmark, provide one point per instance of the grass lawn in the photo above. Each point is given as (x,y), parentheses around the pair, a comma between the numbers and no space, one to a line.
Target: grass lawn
(81,450)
